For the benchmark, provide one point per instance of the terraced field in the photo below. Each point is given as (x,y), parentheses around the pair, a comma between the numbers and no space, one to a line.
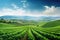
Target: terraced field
(29,32)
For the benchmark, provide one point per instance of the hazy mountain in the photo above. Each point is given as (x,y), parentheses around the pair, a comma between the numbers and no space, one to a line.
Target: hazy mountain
(42,18)
(18,17)
(49,18)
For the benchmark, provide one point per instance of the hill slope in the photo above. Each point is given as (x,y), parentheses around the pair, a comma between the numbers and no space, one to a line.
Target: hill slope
(52,24)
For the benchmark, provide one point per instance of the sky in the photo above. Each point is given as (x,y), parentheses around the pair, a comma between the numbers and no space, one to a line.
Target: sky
(35,8)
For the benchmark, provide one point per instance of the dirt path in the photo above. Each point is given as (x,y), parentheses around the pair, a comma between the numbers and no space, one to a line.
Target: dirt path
(25,37)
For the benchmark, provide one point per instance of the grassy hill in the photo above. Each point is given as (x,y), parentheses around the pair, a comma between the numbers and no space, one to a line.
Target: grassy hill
(52,24)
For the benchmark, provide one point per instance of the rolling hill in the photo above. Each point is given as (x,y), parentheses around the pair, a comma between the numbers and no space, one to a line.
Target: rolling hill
(52,24)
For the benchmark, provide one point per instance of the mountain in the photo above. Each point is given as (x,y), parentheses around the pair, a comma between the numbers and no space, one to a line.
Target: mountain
(41,18)
(18,17)
(49,18)
(52,24)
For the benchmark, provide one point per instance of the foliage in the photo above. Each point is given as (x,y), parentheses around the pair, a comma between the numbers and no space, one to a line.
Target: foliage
(11,31)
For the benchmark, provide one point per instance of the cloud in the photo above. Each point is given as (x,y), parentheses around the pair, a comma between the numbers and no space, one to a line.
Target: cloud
(14,6)
(24,3)
(46,7)
(49,11)
(17,12)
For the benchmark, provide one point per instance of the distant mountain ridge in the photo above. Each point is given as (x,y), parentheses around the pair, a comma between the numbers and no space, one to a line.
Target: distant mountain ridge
(42,18)
(18,17)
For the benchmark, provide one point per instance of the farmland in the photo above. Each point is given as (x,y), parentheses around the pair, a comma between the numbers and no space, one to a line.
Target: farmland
(30,30)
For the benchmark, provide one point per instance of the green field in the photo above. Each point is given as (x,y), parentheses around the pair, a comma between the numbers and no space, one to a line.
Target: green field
(37,31)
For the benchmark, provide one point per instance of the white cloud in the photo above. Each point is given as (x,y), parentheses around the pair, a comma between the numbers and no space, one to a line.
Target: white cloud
(24,3)
(49,11)
(7,11)
(46,7)
(52,11)
(14,6)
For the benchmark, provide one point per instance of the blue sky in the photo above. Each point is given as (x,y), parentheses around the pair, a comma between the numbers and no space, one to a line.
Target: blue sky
(30,7)
(31,4)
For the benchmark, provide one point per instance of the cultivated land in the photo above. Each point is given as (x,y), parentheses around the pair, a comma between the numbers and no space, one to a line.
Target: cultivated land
(30,30)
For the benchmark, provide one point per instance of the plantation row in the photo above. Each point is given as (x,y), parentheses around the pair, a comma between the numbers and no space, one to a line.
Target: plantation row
(27,33)
(12,34)
(48,35)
